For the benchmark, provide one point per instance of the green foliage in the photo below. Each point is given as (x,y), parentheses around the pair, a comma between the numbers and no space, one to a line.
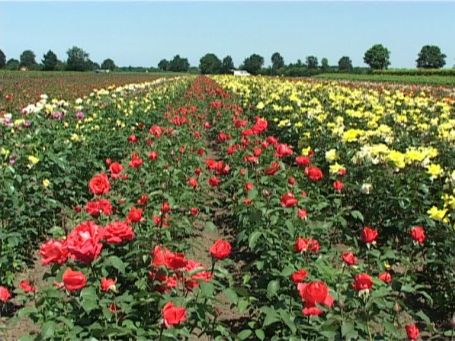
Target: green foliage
(163,65)
(325,64)
(227,65)
(345,64)
(253,64)
(312,62)
(2,59)
(108,64)
(210,64)
(430,57)
(277,62)
(78,60)
(50,61)
(178,64)
(12,64)
(377,57)
(27,59)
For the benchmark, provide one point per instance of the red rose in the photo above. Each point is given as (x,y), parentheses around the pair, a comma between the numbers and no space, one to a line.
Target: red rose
(362,282)
(249,186)
(153,155)
(257,151)
(194,211)
(132,138)
(136,161)
(418,234)
(282,150)
(412,331)
(313,294)
(83,242)
(271,140)
(27,286)
(214,181)
(173,315)
(349,258)
(288,200)
(164,257)
(195,270)
(134,215)
(291,181)
(299,276)
(369,235)
(73,280)
(94,208)
(274,167)
(302,161)
(143,200)
(386,277)
(192,182)
(338,186)
(220,249)
(342,171)
(260,125)
(198,171)
(5,294)
(314,173)
(115,169)
(156,131)
(306,244)
(54,252)
(117,233)
(302,213)
(99,184)
(108,284)
(207,125)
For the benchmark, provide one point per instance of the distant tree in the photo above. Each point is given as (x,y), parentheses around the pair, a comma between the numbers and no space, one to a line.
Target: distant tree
(78,60)
(91,65)
(253,64)
(377,57)
(312,62)
(163,65)
(27,59)
(178,64)
(227,64)
(431,57)
(345,64)
(210,64)
(277,61)
(49,61)
(2,59)
(108,64)
(325,64)
(12,64)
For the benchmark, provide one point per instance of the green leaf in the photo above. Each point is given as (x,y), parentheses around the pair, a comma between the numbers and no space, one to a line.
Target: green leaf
(253,238)
(260,334)
(231,295)
(286,318)
(357,215)
(287,271)
(272,288)
(89,299)
(48,329)
(117,263)
(347,328)
(244,334)
(271,316)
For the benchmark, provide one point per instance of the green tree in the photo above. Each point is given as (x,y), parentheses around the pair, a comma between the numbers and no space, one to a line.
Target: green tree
(27,59)
(12,64)
(345,64)
(312,62)
(49,61)
(431,57)
(325,64)
(2,59)
(108,64)
(377,57)
(253,64)
(210,64)
(163,65)
(178,64)
(277,62)
(227,64)
(78,60)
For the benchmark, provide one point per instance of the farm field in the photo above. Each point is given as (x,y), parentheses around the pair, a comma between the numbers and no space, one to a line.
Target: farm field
(17,89)
(228,208)
(434,80)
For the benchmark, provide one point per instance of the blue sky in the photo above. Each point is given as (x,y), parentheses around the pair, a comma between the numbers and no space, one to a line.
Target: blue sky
(142,33)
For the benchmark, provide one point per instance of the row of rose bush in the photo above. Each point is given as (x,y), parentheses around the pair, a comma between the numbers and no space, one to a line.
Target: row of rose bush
(47,152)
(398,151)
(310,264)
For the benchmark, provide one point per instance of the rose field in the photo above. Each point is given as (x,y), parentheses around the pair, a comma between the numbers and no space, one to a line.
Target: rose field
(229,208)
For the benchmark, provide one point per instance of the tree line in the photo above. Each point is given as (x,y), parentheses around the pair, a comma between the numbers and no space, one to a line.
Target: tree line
(377,58)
